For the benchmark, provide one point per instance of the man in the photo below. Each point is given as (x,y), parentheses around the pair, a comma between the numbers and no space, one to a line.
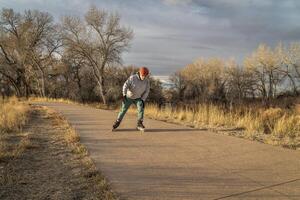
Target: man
(135,90)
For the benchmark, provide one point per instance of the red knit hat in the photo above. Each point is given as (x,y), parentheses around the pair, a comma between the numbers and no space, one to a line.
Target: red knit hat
(144,71)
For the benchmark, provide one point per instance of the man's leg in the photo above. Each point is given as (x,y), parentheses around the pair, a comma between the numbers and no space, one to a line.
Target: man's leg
(125,105)
(140,108)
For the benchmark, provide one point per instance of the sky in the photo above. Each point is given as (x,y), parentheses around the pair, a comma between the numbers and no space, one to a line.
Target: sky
(169,34)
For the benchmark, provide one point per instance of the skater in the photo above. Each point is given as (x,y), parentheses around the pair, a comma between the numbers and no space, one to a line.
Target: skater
(135,90)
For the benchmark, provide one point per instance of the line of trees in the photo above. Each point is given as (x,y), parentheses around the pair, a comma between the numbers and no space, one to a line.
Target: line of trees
(77,58)
(266,74)
(80,58)
(28,42)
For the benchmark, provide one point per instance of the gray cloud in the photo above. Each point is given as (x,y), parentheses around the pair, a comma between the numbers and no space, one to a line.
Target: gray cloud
(177,2)
(172,33)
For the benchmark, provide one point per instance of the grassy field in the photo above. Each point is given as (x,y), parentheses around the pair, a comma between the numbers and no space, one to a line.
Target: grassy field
(275,126)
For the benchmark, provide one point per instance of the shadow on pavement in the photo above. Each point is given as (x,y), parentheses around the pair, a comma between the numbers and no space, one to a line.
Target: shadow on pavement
(156,130)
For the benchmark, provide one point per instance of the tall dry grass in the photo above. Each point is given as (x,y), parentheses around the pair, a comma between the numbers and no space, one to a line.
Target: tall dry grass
(68,101)
(47,99)
(256,122)
(13,115)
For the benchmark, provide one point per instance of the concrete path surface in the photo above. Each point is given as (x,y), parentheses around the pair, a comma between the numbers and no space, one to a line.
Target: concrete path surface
(175,162)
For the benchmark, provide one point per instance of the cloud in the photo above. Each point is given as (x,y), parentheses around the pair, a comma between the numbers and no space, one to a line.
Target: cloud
(172,33)
(177,2)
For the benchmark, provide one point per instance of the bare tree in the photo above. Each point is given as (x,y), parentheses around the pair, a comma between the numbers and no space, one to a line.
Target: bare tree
(201,80)
(27,44)
(240,82)
(75,66)
(264,63)
(100,39)
(179,86)
(12,67)
(45,42)
(291,65)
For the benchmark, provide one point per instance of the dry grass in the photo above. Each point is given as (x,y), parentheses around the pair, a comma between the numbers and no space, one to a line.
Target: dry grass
(273,126)
(12,150)
(73,140)
(53,149)
(68,101)
(70,136)
(46,99)
(13,115)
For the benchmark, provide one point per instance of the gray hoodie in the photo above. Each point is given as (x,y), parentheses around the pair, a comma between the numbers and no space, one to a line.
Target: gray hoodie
(135,88)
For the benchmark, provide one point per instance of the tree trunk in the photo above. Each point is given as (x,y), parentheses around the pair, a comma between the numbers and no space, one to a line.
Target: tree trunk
(101,87)
(42,83)
(78,81)
(293,84)
(13,82)
(270,95)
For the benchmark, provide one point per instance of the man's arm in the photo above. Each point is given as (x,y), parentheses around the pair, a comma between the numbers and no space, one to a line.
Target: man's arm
(126,86)
(146,93)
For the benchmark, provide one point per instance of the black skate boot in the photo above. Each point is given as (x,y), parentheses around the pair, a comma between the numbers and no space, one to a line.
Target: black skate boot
(140,126)
(116,124)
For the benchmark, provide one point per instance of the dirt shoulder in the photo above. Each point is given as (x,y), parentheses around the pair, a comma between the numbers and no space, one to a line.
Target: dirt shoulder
(46,161)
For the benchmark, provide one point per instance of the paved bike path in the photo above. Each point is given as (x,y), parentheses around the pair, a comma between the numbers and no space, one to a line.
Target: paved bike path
(174,162)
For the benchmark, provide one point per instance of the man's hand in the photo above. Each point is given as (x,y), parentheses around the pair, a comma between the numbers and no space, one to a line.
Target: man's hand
(124,98)
(143,103)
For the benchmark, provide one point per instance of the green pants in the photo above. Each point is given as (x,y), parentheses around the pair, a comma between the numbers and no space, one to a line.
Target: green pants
(127,103)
